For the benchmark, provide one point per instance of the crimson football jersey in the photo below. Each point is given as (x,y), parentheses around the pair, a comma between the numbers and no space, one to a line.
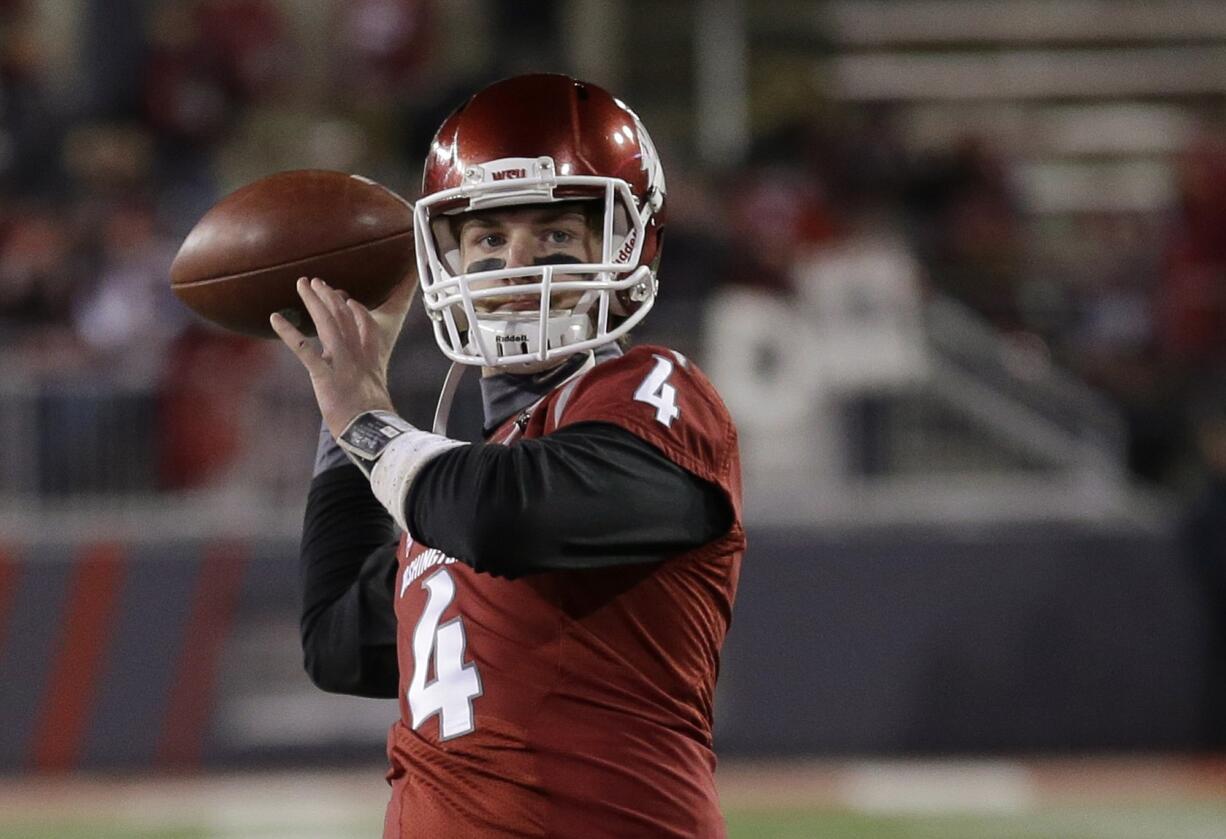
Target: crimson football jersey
(573,703)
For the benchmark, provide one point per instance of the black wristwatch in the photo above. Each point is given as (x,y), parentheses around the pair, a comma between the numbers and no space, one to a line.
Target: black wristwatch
(368,434)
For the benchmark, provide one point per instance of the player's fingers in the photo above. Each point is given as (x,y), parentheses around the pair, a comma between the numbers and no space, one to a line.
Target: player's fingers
(297,342)
(368,330)
(335,299)
(325,322)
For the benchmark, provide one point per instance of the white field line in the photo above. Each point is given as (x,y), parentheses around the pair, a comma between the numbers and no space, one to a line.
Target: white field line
(314,804)
(329,803)
(996,787)
(989,786)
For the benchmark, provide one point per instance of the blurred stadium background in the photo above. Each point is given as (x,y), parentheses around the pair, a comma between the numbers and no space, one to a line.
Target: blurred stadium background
(957,266)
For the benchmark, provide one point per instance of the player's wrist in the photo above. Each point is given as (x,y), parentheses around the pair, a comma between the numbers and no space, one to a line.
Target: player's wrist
(391,452)
(341,410)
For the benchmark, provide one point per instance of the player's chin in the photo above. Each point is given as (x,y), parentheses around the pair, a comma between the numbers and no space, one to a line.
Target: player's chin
(533,367)
(565,299)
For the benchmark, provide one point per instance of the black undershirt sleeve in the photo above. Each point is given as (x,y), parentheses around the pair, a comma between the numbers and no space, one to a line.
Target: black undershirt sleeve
(348,571)
(590,495)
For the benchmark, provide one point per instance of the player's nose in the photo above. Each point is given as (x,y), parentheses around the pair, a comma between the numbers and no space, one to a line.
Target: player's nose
(521,249)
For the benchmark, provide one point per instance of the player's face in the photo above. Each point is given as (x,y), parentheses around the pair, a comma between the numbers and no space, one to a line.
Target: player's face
(518,237)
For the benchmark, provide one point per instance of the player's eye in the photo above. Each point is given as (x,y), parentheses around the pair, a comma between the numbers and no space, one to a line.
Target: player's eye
(492,240)
(560,237)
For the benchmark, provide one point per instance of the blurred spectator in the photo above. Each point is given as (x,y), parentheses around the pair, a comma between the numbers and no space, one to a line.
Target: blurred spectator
(968,230)
(186,99)
(29,129)
(129,315)
(1191,303)
(1204,537)
(528,35)
(204,403)
(115,46)
(776,213)
(859,156)
(246,40)
(1112,341)
(210,58)
(382,47)
(37,288)
(108,159)
(695,262)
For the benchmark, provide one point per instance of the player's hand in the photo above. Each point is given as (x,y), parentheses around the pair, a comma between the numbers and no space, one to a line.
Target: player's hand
(390,316)
(348,367)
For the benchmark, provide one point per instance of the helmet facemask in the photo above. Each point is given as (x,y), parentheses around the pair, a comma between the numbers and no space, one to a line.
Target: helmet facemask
(546,311)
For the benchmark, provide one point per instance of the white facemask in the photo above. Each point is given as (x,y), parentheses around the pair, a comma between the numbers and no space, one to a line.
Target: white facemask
(530,336)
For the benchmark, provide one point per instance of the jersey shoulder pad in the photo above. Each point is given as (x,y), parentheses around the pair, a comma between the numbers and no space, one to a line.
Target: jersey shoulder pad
(662,397)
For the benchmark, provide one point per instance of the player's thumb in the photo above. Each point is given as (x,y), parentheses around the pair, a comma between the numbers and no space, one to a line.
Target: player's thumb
(401,298)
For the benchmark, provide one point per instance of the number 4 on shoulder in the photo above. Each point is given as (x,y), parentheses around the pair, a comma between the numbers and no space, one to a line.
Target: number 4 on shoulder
(658,393)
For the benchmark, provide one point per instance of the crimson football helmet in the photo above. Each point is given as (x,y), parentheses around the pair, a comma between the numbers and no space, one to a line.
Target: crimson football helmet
(537,140)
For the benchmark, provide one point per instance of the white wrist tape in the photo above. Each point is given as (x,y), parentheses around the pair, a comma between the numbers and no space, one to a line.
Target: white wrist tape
(399,464)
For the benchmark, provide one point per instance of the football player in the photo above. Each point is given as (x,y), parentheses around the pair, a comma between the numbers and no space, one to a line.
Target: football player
(551,617)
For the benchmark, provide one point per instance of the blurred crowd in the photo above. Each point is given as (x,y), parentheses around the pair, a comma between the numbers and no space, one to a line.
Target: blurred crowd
(181,102)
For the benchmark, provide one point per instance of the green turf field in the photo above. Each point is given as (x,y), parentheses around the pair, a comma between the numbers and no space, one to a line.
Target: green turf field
(1142,798)
(1095,823)
(1203,822)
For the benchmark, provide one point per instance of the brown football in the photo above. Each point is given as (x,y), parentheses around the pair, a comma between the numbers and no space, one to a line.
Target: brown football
(240,262)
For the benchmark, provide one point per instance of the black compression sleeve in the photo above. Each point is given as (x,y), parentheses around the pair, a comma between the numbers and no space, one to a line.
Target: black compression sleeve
(591,495)
(348,569)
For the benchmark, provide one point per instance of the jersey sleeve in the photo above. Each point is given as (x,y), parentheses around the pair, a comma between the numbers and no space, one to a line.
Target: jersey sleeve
(662,397)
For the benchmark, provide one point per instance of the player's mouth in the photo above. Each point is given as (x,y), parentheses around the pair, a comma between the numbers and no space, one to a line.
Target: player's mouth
(529,303)
(524,305)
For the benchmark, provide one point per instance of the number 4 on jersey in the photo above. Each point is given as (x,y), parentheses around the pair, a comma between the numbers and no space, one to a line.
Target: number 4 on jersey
(455,684)
(658,393)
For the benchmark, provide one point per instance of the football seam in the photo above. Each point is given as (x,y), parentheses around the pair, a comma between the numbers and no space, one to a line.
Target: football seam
(333,252)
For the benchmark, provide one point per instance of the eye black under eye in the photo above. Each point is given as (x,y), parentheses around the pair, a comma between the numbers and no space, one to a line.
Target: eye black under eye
(491,264)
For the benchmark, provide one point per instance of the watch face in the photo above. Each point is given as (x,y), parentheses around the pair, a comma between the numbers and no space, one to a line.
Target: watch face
(369,434)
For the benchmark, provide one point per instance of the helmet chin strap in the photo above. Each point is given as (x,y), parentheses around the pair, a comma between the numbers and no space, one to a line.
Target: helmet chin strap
(446,397)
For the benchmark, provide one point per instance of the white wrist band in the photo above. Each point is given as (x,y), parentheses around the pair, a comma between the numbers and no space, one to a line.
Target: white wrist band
(399,464)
